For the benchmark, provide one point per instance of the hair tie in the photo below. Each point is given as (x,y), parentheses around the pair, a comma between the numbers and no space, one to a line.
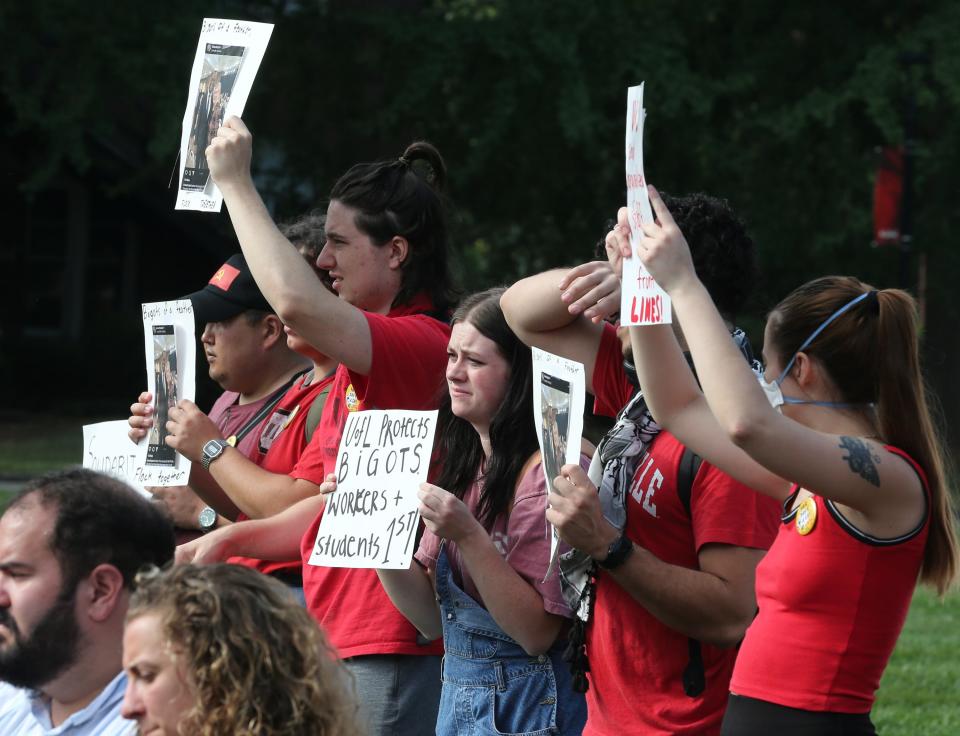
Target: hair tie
(403,160)
(873,302)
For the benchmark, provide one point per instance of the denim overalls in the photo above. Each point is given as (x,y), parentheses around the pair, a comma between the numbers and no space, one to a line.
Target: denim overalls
(490,685)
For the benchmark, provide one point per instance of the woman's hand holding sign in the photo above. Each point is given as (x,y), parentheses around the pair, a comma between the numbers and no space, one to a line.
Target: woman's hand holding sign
(663,249)
(446,515)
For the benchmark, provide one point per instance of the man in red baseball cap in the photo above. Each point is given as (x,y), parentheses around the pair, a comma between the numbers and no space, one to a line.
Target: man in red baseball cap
(247,354)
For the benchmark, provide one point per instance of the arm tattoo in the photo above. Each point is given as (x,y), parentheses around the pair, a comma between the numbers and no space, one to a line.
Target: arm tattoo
(860,459)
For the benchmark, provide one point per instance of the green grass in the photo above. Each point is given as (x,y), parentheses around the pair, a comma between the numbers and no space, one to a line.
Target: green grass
(30,446)
(920,691)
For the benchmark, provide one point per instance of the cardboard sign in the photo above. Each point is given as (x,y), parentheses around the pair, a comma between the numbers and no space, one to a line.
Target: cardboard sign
(371,519)
(642,301)
(227,59)
(558,399)
(170,349)
(107,449)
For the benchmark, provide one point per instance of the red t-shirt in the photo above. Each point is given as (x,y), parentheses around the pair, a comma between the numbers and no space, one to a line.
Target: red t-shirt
(636,661)
(407,372)
(832,604)
(283,441)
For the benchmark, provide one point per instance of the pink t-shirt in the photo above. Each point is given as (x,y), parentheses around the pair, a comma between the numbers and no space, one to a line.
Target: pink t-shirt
(230,417)
(522,537)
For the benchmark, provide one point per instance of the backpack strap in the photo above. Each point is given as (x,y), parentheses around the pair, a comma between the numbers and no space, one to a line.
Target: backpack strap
(689,465)
(694,677)
(316,410)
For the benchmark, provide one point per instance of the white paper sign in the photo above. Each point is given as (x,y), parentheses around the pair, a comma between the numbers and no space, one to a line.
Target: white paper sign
(558,399)
(107,449)
(227,59)
(642,301)
(371,519)
(170,350)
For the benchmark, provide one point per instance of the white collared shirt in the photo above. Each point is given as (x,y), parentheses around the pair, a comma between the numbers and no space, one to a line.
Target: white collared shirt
(27,713)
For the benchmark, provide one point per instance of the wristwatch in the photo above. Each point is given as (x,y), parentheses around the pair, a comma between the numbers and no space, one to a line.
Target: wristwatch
(207,520)
(211,451)
(617,553)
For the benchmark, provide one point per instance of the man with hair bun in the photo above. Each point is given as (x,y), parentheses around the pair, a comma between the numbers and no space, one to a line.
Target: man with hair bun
(386,254)
(70,545)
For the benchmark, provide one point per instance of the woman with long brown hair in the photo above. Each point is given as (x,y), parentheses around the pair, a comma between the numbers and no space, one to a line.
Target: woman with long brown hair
(839,428)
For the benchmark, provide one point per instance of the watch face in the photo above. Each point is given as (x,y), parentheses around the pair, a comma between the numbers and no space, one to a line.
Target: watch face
(208,517)
(212,449)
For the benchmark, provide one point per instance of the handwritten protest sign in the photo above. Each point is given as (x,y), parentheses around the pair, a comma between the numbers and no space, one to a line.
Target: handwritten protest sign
(371,519)
(642,301)
(227,59)
(558,398)
(107,449)
(170,349)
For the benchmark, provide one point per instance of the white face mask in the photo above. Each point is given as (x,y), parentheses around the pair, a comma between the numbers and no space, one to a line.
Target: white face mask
(771,389)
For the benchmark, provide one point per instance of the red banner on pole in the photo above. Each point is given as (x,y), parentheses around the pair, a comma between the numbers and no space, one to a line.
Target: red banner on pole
(887,196)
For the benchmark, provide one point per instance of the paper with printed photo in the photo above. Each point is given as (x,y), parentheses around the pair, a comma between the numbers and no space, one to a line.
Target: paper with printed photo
(227,59)
(642,301)
(170,348)
(559,389)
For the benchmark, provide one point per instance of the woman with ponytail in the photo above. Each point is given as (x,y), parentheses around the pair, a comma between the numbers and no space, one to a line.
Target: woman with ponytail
(839,429)
(386,255)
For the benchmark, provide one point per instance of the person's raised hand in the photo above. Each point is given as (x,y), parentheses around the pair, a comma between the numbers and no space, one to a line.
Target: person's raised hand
(230,152)
(575,512)
(446,515)
(592,289)
(189,430)
(664,250)
(617,242)
(141,417)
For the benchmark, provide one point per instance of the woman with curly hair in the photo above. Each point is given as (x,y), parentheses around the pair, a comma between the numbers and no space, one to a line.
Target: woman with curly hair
(224,650)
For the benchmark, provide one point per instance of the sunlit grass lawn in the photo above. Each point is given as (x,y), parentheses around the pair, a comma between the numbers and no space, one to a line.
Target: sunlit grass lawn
(920,692)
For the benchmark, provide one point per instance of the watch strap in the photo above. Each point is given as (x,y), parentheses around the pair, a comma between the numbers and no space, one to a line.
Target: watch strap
(207,520)
(617,553)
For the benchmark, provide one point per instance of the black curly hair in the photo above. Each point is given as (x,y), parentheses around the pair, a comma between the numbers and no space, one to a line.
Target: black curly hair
(723,252)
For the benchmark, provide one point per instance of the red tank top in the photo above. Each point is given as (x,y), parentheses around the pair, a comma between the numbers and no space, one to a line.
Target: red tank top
(832,603)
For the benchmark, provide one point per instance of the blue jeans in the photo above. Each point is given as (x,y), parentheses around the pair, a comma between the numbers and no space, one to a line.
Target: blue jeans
(398,693)
(490,685)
